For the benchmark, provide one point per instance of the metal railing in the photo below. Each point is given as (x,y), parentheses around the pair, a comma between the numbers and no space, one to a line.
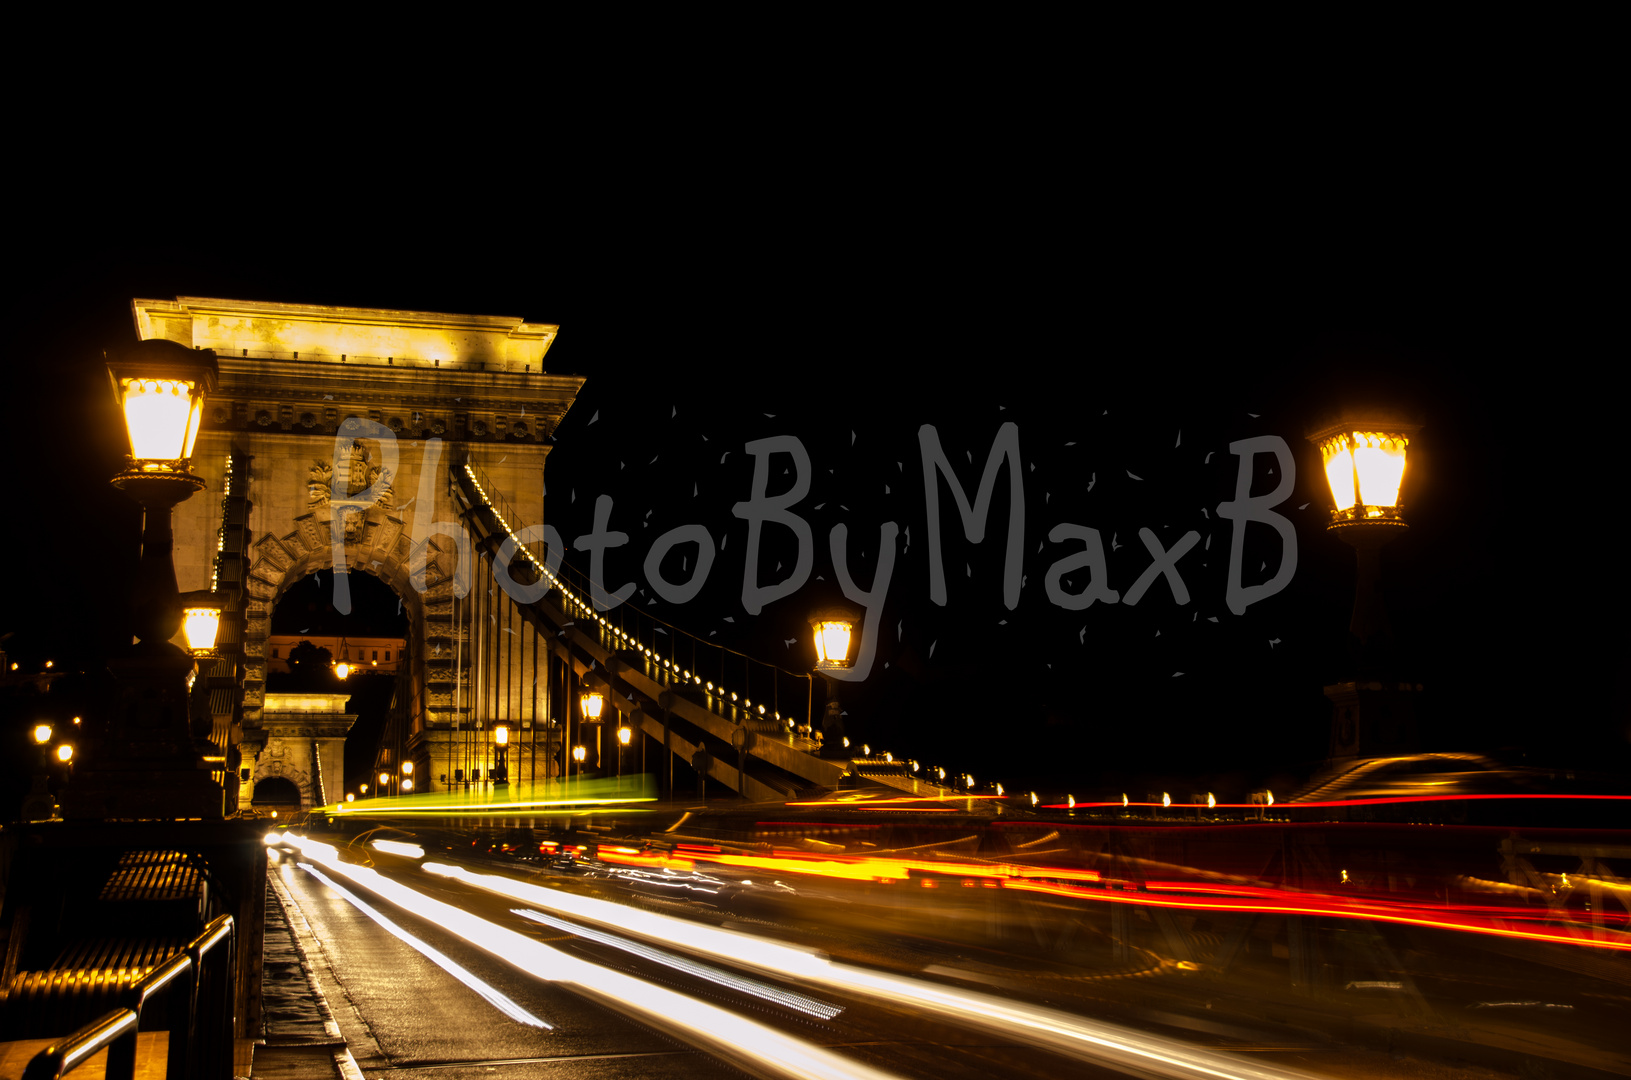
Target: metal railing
(760,695)
(198,1011)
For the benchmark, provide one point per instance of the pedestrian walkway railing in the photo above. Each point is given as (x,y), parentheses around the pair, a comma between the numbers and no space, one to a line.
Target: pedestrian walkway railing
(195,987)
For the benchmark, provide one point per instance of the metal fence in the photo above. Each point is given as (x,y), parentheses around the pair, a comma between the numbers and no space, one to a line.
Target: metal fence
(196,987)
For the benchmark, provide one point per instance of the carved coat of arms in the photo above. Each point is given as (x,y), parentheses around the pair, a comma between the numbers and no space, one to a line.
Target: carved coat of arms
(361,484)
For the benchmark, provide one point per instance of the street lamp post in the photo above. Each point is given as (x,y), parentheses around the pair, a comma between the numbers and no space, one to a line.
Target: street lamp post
(833,630)
(150,762)
(623,736)
(591,704)
(1364,457)
(501,756)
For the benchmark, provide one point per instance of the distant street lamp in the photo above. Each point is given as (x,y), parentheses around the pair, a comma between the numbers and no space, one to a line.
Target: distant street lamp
(592,707)
(833,630)
(501,755)
(590,702)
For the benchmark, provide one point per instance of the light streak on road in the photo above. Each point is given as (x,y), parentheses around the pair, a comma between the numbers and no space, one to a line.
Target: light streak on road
(1074,1036)
(541,798)
(495,997)
(753,1047)
(1084,885)
(397,847)
(852,867)
(807,1005)
(1379,800)
(1314,904)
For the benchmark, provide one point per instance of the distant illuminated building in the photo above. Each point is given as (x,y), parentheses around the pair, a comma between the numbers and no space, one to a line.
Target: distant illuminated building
(364,654)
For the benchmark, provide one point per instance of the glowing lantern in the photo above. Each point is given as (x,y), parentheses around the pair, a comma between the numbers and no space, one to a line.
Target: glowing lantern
(201,621)
(160,387)
(834,630)
(592,702)
(1364,463)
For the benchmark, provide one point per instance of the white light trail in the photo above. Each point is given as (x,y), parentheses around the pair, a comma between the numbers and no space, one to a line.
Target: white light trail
(1089,1040)
(755,1048)
(807,1005)
(500,1001)
(397,847)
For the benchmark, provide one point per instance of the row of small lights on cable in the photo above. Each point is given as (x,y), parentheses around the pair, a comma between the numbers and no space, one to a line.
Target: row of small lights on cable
(221,533)
(937,773)
(582,607)
(1262,799)
(1259,799)
(670,667)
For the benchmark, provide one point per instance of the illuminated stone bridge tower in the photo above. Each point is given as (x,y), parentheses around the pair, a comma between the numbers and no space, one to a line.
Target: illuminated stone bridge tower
(327,448)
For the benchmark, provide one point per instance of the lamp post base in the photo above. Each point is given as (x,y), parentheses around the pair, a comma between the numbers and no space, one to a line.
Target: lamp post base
(148,765)
(1372,719)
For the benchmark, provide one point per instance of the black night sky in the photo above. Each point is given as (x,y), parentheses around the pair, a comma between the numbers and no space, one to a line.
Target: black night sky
(1127,368)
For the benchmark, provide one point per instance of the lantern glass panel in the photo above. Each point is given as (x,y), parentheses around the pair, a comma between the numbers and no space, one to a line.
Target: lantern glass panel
(1379,464)
(161,415)
(832,642)
(1339,471)
(201,625)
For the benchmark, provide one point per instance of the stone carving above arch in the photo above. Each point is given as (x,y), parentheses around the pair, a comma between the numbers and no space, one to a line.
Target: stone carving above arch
(362,486)
(273,766)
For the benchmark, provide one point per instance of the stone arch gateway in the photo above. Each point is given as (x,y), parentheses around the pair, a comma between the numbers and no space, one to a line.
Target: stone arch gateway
(327,448)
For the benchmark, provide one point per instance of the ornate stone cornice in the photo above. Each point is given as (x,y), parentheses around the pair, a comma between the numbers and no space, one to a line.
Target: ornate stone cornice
(305,369)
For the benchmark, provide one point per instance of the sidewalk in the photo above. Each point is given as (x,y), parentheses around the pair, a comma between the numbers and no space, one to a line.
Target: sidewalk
(299,1039)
